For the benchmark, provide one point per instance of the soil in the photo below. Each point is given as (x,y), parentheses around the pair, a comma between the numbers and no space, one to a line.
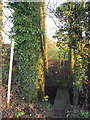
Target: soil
(18,108)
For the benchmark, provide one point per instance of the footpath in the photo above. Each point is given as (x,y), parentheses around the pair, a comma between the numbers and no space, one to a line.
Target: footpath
(62,103)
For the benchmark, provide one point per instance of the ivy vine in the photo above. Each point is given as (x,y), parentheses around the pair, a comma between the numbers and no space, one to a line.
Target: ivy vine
(26,32)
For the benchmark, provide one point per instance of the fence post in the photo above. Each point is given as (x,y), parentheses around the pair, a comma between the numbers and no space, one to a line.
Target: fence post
(10,72)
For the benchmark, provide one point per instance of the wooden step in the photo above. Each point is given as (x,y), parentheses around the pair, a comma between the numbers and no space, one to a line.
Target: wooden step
(62,100)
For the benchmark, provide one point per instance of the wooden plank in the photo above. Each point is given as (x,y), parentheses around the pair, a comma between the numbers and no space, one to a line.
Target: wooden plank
(62,101)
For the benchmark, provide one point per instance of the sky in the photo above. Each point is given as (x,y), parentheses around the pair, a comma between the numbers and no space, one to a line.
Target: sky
(50,25)
(7,25)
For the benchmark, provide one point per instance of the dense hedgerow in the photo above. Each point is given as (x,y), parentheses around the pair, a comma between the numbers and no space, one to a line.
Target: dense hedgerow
(27,35)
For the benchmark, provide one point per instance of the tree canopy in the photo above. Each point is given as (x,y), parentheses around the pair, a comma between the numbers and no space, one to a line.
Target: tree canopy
(74,22)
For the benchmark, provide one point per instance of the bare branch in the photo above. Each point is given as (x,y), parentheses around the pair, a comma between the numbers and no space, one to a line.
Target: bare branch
(7,17)
(56,15)
(53,19)
(5,32)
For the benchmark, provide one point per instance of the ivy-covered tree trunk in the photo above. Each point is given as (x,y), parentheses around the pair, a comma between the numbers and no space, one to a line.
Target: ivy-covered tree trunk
(87,46)
(1,39)
(40,76)
(71,77)
(88,95)
(71,54)
(75,90)
(45,38)
(27,28)
(71,65)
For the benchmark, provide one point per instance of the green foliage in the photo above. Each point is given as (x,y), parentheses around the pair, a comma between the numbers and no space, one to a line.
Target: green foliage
(68,114)
(27,30)
(5,63)
(53,53)
(45,101)
(80,68)
(19,114)
(79,115)
(48,107)
(75,20)
(85,114)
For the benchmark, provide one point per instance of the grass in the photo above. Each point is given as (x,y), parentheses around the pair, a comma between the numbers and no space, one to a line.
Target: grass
(53,54)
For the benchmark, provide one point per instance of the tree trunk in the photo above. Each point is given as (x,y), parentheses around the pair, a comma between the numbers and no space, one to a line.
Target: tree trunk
(45,38)
(75,90)
(60,54)
(1,40)
(71,66)
(71,71)
(40,76)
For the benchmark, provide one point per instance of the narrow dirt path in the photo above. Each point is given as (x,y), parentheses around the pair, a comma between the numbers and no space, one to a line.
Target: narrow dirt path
(57,91)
